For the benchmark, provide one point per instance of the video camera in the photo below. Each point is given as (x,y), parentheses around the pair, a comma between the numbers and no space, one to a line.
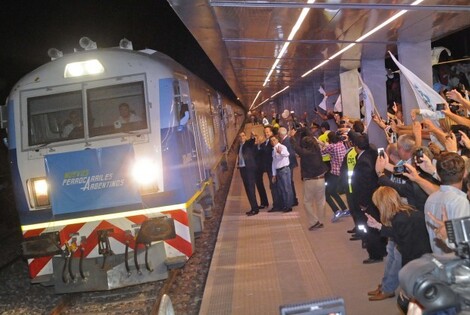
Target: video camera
(441,282)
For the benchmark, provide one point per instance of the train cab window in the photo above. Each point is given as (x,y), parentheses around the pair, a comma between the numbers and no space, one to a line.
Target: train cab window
(53,118)
(116,109)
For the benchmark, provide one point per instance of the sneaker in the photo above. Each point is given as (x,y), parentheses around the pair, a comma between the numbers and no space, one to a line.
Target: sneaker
(336,216)
(345,213)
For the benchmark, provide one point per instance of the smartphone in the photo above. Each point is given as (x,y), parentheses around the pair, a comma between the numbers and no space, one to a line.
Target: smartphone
(381,152)
(419,155)
(362,228)
(440,106)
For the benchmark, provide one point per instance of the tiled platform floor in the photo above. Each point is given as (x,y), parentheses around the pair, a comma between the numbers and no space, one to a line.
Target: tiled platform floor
(271,259)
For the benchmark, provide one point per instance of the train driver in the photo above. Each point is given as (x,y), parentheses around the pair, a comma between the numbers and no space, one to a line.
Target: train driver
(126,115)
(73,126)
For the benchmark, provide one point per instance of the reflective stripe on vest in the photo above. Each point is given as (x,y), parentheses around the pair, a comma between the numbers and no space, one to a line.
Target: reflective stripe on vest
(351,162)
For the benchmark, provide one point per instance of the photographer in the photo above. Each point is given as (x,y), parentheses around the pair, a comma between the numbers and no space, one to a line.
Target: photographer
(402,222)
(414,194)
(450,168)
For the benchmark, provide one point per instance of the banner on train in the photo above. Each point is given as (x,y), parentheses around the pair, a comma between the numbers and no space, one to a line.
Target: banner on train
(91,179)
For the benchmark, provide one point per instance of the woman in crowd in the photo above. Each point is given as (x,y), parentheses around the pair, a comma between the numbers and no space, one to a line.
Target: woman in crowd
(402,222)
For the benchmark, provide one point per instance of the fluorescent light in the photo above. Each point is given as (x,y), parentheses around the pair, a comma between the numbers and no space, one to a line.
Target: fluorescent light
(259,92)
(296,27)
(280,91)
(294,30)
(342,51)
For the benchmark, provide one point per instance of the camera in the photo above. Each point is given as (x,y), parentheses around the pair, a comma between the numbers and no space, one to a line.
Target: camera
(440,282)
(399,169)
(455,130)
(381,152)
(341,136)
(440,106)
(419,156)
(454,108)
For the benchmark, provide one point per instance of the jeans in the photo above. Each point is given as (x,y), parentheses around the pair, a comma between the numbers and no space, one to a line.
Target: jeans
(284,186)
(392,267)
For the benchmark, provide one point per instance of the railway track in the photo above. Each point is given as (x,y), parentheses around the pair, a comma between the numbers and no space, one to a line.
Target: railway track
(184,286)
(139,299)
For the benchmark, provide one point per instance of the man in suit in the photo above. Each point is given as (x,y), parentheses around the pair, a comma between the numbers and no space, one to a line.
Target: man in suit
(247,167)
(265,166)
(364,183)
(260,156)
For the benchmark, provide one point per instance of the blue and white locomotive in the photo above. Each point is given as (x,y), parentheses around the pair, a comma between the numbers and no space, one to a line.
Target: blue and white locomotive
(113,154)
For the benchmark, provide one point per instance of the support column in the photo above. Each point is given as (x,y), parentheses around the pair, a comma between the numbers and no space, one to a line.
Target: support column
(417,57)
(374,75)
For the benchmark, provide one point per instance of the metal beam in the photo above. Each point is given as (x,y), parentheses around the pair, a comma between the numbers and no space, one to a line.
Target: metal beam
(337,6)
(304,41)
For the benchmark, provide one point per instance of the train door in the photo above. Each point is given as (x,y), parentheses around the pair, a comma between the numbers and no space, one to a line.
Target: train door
(185,112)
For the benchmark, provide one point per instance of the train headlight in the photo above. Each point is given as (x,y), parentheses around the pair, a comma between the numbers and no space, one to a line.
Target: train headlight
(145,173)
(77,69)
(38,193)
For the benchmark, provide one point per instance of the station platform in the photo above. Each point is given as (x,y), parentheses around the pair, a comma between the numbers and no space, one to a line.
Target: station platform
(271,259)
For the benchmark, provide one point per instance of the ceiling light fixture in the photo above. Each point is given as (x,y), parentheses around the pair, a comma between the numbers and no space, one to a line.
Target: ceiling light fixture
(257,95)
(360,39)
(296,27)
(294,30)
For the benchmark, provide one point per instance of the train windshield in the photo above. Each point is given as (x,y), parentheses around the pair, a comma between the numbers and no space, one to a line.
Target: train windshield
(108,110)
(55,117)
(116,109)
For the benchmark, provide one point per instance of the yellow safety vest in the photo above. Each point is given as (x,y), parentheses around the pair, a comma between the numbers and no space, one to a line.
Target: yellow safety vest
(324,138)
(351,162)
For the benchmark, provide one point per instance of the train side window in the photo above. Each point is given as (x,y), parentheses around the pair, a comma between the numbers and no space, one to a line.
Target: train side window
(47,116)
(116,109)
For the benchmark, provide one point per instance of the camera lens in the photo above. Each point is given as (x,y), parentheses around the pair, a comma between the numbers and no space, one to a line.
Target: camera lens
(430,292)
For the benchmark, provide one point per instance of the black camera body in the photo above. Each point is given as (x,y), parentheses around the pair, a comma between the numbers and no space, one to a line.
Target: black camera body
(341,136)
(454,108)
(455,130)
(399,170)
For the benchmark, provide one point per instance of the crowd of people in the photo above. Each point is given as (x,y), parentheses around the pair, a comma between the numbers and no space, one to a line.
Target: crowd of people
(398,196)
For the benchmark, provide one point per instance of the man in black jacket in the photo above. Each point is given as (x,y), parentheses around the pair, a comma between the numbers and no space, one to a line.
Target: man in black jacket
(312,170)
(364,183)
(247,166)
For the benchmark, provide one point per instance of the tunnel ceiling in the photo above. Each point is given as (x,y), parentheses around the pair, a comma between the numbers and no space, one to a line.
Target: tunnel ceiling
(244,38)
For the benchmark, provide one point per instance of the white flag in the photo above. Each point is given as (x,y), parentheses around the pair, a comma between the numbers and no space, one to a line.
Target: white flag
(338,105)
(426,97)
(322,105)
(368,102)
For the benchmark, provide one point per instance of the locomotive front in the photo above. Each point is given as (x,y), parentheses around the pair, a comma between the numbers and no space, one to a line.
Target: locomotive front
(98,147)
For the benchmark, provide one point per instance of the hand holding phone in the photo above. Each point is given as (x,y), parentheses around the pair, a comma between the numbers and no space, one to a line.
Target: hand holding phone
(440,106)
(381,152)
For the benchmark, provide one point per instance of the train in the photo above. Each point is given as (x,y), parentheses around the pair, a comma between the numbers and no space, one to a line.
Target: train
(115,156)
